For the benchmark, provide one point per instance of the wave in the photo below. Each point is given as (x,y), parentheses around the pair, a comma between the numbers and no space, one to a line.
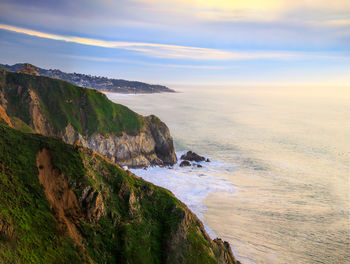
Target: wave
(190,184)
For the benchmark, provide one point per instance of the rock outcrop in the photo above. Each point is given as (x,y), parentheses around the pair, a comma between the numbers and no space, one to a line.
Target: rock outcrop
(76,114)
(185,163)
(68,204)
(152,146)
(164,147)
(192,156)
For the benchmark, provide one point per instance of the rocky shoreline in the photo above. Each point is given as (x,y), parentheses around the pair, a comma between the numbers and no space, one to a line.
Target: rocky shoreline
(99,134)
(69,204)
(192,159)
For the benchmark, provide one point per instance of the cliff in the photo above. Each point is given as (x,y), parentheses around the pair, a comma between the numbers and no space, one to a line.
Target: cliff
(53,107)
(68,204)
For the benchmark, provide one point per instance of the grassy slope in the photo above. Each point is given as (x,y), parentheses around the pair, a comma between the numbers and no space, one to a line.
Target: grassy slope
(129,232)
(88,110)
(23,204)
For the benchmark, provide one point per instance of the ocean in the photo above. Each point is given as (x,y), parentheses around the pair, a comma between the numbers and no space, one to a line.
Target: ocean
(278,184)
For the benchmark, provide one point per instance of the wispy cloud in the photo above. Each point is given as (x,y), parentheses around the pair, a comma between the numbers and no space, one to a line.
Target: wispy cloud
(333,23)
(150,49)
(167,65)
(165,51)
(251,10)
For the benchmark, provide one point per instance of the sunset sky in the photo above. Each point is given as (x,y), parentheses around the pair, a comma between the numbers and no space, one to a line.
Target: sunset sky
(179,41)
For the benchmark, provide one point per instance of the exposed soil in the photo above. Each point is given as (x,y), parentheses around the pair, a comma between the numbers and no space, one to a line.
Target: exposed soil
(39,121)
(5,117)
(62,200)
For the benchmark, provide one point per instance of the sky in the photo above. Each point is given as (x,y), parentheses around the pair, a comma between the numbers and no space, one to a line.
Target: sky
(183,42)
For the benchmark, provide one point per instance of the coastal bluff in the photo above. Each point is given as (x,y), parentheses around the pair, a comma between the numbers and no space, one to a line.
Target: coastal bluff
(69,204)
(94,82)
(53,107)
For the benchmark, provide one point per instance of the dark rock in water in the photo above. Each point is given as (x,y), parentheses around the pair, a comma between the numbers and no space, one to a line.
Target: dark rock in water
(192,156)
(185,163)
(208,160)
(199,166)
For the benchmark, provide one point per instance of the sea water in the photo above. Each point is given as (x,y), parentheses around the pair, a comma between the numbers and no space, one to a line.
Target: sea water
(278,185)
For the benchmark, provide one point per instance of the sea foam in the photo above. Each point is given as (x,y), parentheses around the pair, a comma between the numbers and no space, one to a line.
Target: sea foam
(190,184)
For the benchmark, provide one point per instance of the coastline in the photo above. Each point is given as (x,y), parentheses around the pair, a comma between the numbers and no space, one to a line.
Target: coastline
(194,187)
(279,161)
(129,94)
(191,185)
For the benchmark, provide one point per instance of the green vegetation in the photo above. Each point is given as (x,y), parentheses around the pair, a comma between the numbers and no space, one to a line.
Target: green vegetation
(21,126)
(140,223)
(89,111)
(23,205)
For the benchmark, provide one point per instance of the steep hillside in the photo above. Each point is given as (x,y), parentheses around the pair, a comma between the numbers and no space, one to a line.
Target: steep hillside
(56,108)
(98,83)
(67,204)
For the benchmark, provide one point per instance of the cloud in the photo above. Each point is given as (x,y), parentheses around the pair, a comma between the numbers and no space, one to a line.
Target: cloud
(181,66)
(165,51)
(251,10)
(156,50)
(224,25)
(168,51)
(334,23)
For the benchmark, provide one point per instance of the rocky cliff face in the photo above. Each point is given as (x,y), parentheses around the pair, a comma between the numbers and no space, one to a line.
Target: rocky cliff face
(68,204)
(75,116)
(152,146)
